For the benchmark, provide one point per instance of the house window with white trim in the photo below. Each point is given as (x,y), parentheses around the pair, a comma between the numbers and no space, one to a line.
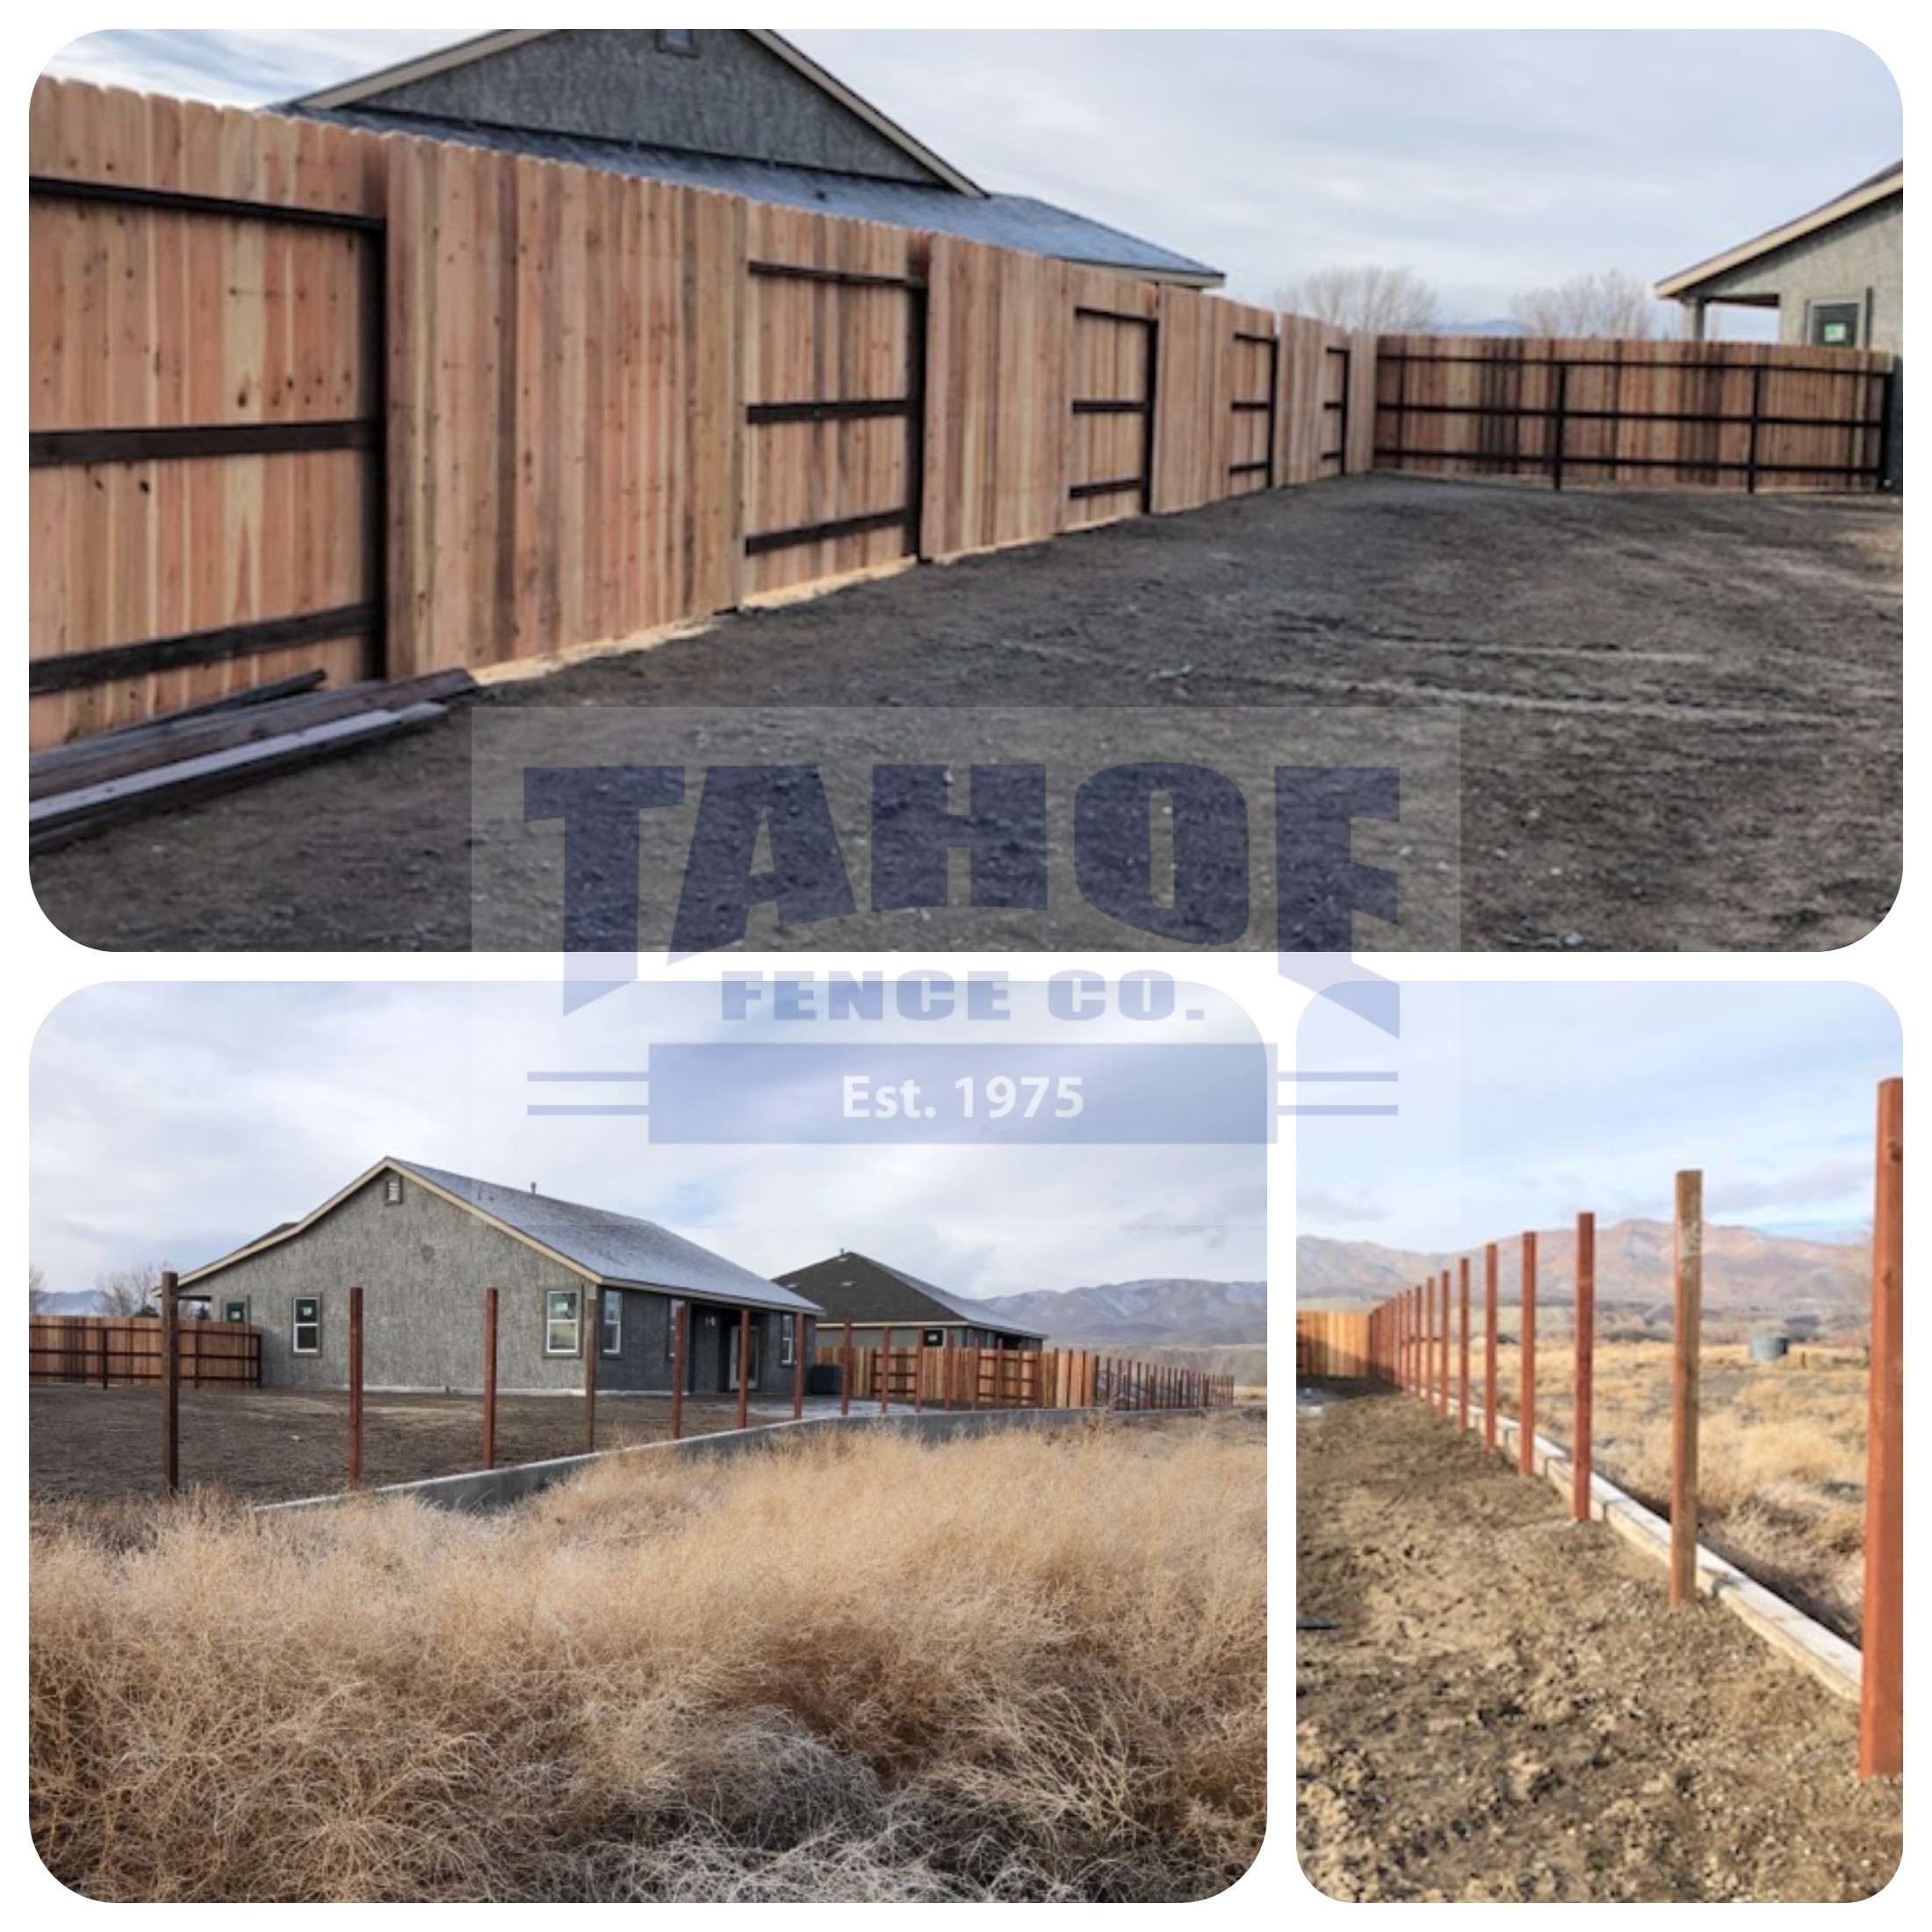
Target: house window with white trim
(305,1336)
(562,1321)
(788,1340)
(611,1303)
(671,1315)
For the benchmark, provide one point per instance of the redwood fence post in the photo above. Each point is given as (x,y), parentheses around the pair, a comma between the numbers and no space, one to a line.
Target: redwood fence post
(170,1382)
(1526,1442)
(885,1370)
(1584,1386)
(918,1373)
(744,1365)
(845,1372)
(680,1325)
(1683,1387)
(1462,1402)
(593,1342)
(1881,1713)
(355,1388)
(797,1366)
(489,1377)
(1488,1344)
(1442,1352)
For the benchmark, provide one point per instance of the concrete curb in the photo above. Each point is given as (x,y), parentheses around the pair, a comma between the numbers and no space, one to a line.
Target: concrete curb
(1833,1663)
(481,1489)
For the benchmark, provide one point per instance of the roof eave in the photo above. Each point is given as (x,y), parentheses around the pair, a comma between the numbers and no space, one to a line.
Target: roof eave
(1686,281)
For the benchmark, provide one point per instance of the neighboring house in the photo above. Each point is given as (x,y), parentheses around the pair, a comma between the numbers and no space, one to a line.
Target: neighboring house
(738,109)
(1835,276)
(424,1245)
(873,1297)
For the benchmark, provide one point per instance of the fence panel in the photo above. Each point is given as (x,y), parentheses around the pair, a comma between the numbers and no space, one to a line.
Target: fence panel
(1115,376)
(1716,415)
(111,1351)
(206,407)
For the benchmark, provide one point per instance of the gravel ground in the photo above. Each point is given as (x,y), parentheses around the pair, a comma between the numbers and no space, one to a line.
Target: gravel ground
(1680,714)
(1506,1710)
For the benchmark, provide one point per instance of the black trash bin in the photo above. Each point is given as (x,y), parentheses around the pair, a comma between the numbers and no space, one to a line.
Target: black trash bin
(822,1379)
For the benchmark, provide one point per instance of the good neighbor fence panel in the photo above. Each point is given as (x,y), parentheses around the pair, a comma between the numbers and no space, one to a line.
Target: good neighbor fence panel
(111,1351)
(1721,415)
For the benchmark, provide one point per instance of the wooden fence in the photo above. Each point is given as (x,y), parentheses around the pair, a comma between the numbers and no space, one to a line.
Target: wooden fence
(304,395)
(1013,1378)
(1406,1339)
(1722,415)
(112,1352)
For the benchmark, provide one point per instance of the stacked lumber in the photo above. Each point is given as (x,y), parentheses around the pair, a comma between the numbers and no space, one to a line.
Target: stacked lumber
(77,788)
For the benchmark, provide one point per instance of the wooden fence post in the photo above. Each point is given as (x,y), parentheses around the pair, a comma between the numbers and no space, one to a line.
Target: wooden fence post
(1442,1363)
(170,1381)
(845,1370)
(797,1366)
(593,1342)
(885,1370)
(1525,1445)
(355,1388)
(1881,1716)
(1583,1387)
(1488,1344)
(744,1365)
(1462,1377)
(1683,1387)
(679,1327)
(489,1377)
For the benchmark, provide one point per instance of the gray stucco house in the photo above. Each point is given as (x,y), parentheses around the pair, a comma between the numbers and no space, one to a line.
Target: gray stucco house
(423,1245)
(875,1297)
(1835,276)
(738,109)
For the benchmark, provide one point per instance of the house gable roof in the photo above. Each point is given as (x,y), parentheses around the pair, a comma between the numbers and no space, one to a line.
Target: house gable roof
(605,1247)
(855,1288)
(364,89)
(1879,187)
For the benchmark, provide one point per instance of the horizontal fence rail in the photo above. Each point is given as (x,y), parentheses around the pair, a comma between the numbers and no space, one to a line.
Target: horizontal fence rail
(110,1351)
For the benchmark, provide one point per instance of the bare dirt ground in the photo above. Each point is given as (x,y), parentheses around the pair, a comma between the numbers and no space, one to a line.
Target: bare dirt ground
(275,1444)
(1507,1710)
(1681,714)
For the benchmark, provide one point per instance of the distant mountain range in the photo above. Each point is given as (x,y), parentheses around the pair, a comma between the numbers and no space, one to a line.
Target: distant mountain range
(1142,1314)
(1744,1269)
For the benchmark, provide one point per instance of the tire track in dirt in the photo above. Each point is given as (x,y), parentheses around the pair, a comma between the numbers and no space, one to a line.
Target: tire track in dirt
(1508,1711)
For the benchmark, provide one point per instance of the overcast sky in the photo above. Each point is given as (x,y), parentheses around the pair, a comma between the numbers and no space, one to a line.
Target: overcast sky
(1490,162)
(171,1122)
(1522,1106)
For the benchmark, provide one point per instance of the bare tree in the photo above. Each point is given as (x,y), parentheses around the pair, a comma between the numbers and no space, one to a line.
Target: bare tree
(131,1291)
(1611,303)
(37,1293)
(1385,301)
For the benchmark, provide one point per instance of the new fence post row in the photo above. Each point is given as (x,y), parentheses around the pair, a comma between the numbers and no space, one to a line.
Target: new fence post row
(1405,1343)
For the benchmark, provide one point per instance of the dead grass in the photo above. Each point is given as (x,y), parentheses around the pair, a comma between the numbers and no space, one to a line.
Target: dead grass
(1781,1454)
(1019,1668)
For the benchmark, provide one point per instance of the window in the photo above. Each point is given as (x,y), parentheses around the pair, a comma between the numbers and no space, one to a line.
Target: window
(306,1326)
(234,1311)
(670,1330)
(561,1321)
(933,1339)
(1833,325)
(788,1340)
(391,1189)
(612,1304)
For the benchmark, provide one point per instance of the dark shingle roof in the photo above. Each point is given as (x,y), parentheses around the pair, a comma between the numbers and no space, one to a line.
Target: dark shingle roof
(855,1288)
(1006,222)
(617,1248)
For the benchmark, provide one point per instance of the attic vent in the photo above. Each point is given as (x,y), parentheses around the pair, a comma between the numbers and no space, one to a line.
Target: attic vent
(391,1189)
(676,40)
